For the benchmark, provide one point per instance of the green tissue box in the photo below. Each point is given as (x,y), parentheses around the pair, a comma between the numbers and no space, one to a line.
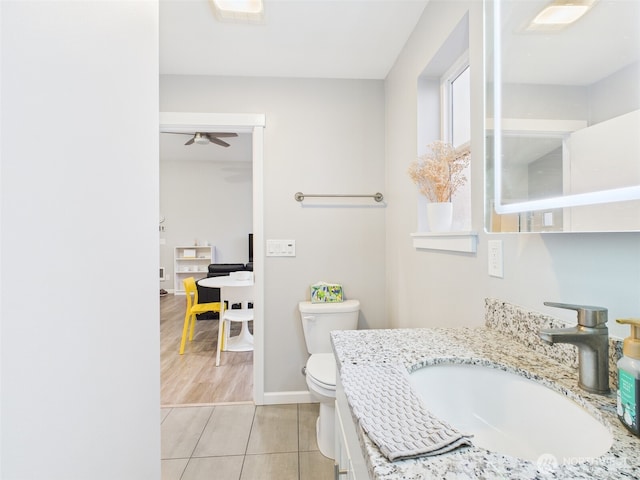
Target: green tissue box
(323,292)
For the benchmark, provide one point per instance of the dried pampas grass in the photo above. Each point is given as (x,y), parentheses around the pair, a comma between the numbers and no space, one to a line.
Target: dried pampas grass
(440,173)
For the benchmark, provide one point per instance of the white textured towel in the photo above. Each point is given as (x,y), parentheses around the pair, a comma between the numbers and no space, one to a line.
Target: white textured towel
(393,414)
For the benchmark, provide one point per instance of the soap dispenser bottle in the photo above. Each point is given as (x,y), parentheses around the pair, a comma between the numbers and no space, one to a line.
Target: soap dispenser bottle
(629,378)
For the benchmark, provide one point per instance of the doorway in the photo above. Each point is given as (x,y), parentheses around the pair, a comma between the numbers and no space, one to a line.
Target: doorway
(252,124)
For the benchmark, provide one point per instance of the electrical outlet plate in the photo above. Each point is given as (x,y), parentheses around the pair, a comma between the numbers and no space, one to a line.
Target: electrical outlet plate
(496,262)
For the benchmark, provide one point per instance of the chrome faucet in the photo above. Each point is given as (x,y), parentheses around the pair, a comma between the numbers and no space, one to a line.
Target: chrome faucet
(591,336)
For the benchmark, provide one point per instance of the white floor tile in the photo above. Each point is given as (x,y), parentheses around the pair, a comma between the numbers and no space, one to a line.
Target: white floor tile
(275,429)
(209,468)
(182,429)
(271,466)
(242,442)
(172,469)
(227,431)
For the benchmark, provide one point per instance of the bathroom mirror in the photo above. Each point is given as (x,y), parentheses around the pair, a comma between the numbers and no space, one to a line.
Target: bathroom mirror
(562,117)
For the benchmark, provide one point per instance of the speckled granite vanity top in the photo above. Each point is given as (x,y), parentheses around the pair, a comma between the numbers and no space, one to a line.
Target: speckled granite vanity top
(416,348)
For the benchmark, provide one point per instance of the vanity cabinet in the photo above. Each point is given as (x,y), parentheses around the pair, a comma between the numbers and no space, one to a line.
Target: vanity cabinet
(343,467)
(349,461)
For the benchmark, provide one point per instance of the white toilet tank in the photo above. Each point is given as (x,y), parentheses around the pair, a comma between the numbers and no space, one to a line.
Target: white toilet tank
(318,319)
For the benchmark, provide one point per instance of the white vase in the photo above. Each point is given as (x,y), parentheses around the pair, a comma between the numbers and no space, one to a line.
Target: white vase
(440,216)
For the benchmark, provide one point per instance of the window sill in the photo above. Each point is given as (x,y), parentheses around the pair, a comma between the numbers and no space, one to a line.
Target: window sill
(448,241)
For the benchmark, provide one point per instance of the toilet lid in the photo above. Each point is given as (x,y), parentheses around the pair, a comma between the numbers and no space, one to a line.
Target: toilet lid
(322,368)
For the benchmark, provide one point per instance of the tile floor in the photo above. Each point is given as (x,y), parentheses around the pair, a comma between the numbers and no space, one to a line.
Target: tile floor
(242,442)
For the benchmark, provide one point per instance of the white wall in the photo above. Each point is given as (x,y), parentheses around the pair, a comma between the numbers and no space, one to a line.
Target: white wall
(79,242)
(542,101)
(615,95)
(206,201)
(321,136)
(439,289)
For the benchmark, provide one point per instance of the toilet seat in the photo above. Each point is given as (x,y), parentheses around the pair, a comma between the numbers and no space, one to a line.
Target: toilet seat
(321,370)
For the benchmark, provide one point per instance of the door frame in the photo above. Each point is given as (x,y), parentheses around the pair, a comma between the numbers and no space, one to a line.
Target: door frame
(253,123)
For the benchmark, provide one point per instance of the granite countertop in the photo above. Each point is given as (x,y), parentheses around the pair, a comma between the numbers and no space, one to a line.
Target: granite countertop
(416,348)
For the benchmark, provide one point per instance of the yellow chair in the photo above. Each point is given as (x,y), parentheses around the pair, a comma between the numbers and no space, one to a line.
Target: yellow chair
(194,308)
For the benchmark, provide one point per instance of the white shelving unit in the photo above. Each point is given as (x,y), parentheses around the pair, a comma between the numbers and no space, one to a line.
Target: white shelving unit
(191,261)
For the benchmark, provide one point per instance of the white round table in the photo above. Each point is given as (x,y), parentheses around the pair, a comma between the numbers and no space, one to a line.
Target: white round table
(242,342)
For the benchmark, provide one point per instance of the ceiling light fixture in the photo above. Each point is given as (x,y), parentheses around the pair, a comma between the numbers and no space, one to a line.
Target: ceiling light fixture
(247,11)
(560,13)
(200,139)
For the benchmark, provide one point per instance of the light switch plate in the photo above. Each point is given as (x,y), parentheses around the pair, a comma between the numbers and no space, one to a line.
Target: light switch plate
(281,248)
(496,261)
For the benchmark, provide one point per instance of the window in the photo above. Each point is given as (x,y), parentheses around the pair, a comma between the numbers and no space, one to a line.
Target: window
(444,113)
(456,103)
(455,95)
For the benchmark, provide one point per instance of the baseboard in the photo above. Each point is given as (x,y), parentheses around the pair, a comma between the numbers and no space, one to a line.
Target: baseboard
(277,398)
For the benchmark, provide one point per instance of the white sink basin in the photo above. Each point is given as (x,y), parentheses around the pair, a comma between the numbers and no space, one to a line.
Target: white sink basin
(510,414)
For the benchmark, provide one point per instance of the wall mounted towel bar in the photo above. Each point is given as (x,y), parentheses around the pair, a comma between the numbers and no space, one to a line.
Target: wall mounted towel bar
(299,196)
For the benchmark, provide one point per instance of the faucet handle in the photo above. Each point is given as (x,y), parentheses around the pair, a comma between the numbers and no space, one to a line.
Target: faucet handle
(588,315)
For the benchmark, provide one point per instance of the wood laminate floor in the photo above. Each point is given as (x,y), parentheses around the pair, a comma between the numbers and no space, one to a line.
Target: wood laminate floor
(193,378)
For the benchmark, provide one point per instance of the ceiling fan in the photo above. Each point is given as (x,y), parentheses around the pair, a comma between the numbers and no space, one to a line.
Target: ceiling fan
(202,138)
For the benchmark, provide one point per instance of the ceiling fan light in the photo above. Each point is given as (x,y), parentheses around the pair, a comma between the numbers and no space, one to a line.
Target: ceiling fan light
(201,139)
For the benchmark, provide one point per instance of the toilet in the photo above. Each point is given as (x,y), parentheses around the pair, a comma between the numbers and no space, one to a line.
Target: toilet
(318,319)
